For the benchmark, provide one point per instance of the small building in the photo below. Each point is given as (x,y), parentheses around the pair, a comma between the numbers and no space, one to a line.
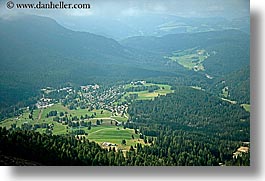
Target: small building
(108,144)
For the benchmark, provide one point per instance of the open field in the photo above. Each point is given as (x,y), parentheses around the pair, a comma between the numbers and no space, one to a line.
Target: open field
(119,118)
(191,59)
(104,133)
(225,92)
(58,128)
(114,135)
(107,131)
(79,112)
(145,95)
(246,107)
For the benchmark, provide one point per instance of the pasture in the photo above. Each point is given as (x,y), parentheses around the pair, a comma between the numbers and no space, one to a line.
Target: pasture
(106,131)
(246,107)
(114,135)
(191,59)
(146,95)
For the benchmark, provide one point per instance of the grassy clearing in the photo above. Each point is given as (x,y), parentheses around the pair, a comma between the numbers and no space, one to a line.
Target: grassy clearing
(113,135)
(191,59)
(119,118)
(58,107)
(83,112)
(145,95)
(21,119)
(225,92)
(246,107)
(79,112)
(58,128)
(106,132)
(7,123)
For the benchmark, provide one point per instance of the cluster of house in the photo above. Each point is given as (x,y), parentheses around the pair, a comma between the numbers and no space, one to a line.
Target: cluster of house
(48,90)
(108,144)
(139,82)
(47,102)
(241,150)
(208,76)
(105,99)
(67,89)
(94,98)
(118,110)
(88,87)
(44,103)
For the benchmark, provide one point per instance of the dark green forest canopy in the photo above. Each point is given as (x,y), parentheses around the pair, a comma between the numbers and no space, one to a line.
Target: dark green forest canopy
(193,110)
(193,118)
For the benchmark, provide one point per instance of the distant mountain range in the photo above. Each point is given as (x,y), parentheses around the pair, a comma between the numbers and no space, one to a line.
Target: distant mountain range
(150,24)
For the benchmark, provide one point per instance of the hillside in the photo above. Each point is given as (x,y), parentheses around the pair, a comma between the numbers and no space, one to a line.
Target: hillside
(237,84)
(228,49)
(151,24)
(47,54)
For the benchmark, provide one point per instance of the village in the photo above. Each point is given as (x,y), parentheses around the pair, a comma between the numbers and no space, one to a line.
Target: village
(97,112)
(90,97)
(95,98)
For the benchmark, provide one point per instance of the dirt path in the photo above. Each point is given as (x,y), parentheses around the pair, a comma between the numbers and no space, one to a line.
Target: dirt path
(110,118)
(99,130)
(40,113)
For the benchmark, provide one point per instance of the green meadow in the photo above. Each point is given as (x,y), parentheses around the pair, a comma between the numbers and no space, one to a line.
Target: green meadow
(146,95)
(246,107)
(191,59)
(105,132)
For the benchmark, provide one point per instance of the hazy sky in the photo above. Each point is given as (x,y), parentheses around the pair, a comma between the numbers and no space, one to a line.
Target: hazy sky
(116,8)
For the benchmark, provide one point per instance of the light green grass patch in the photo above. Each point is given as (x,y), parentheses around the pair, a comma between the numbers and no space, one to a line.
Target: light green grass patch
(225,92)
(191,59)
(119,118)
(145,95)
(56,107)
(58,127)
(79,112)
(113,135)
(23,118)
(246,107)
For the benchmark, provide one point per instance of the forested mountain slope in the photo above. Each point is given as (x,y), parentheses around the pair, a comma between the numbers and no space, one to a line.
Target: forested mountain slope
(47,54)
(228,50)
